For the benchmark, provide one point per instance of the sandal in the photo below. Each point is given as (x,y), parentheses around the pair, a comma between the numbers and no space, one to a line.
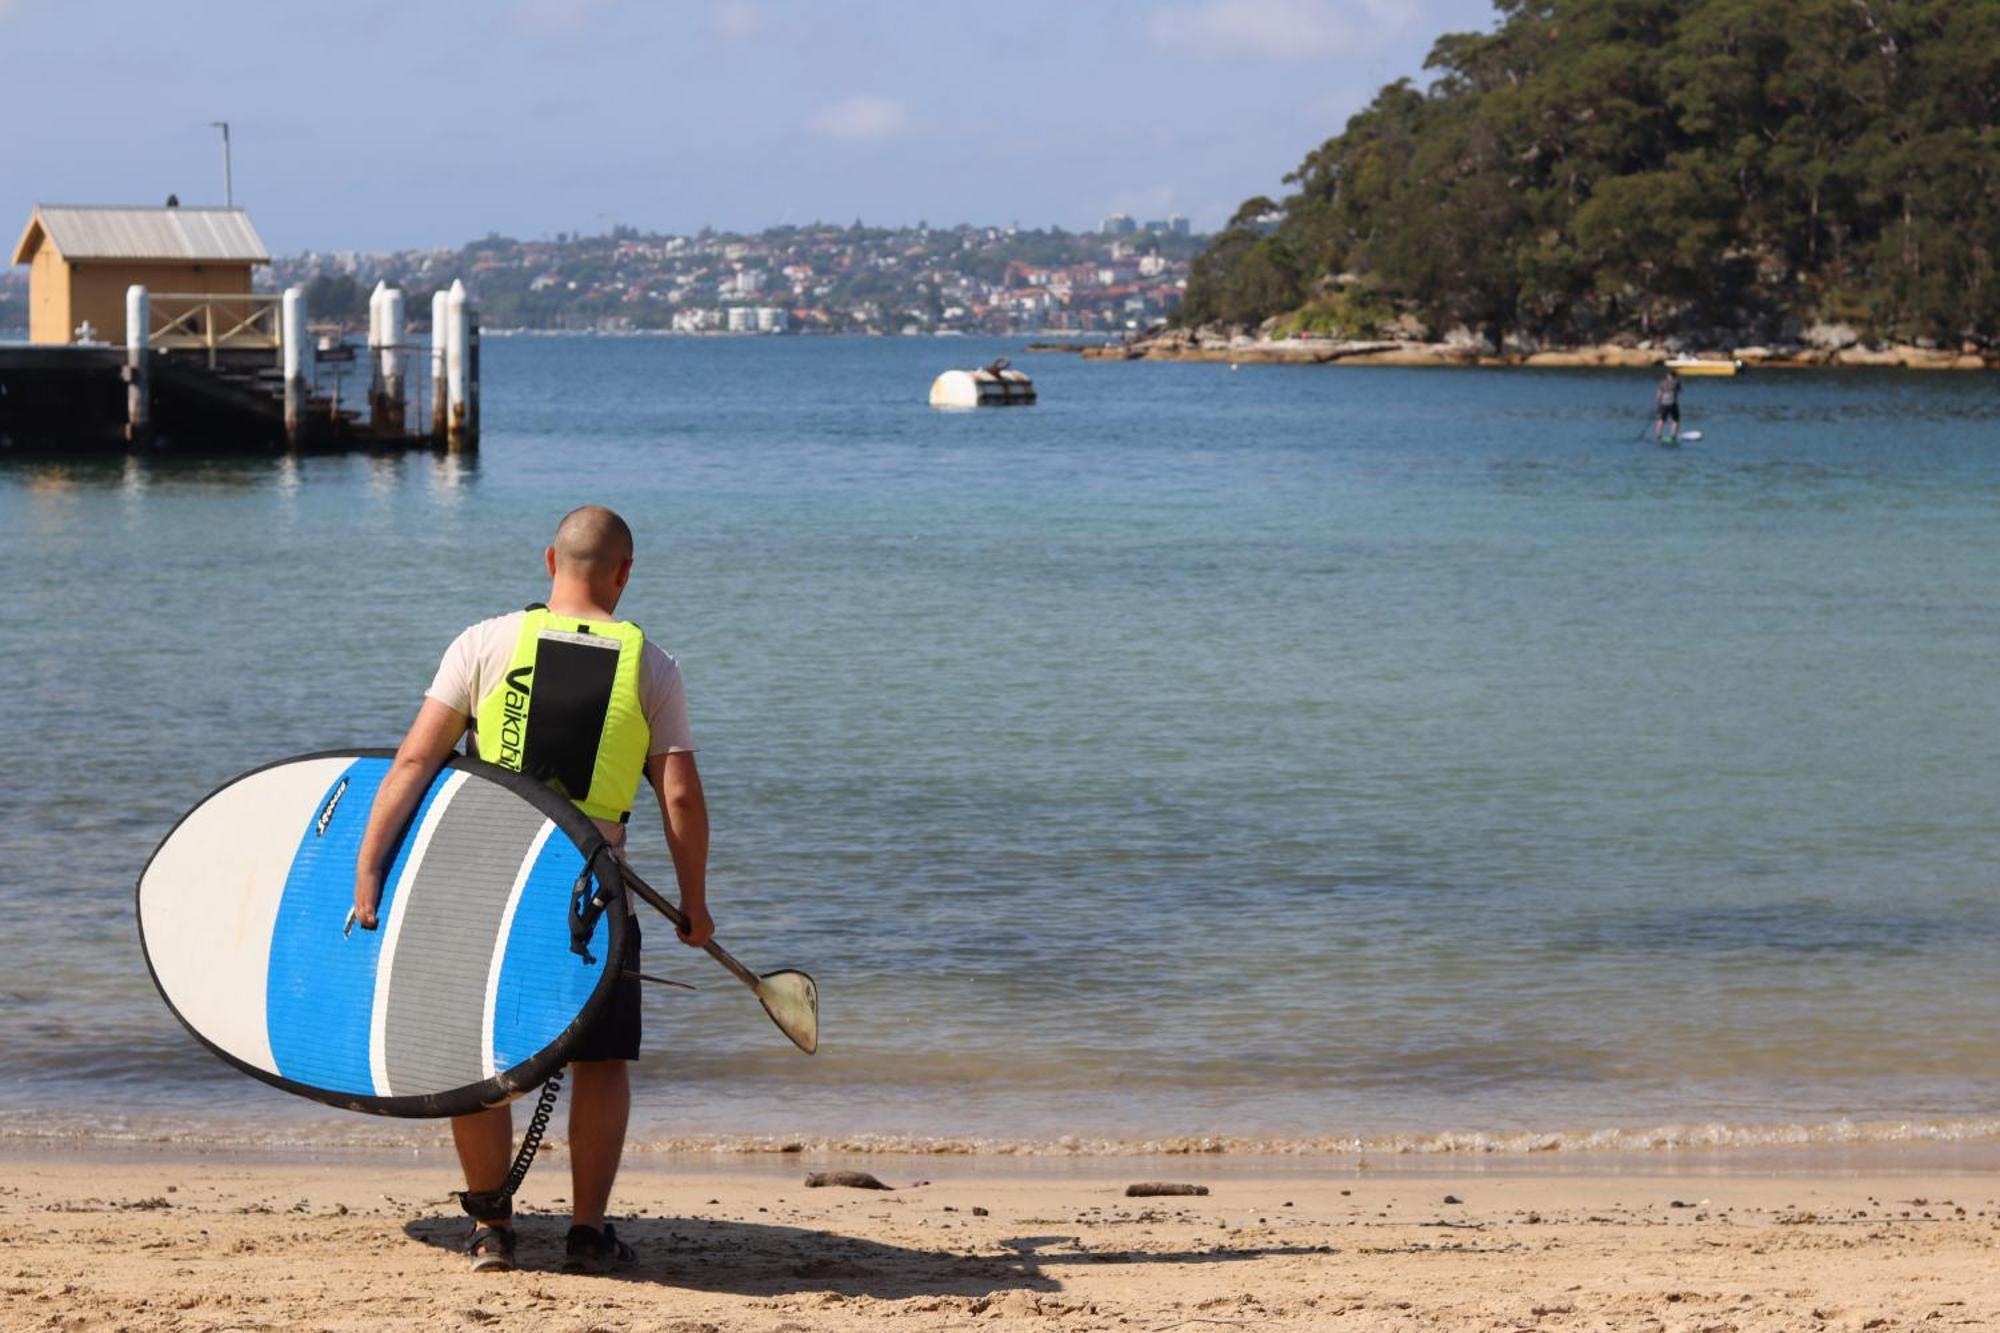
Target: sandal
(588,1250)
(492,1249)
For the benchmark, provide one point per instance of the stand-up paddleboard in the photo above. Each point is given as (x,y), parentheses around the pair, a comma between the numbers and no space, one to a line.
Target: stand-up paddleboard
(493,953)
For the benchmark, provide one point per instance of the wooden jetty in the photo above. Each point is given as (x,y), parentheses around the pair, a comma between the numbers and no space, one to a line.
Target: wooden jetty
(145,334)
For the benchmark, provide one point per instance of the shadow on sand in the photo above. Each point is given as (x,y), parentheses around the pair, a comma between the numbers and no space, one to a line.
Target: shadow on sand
(759,1259)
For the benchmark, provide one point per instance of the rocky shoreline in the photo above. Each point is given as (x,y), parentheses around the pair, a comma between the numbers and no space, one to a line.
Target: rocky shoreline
(1825,347)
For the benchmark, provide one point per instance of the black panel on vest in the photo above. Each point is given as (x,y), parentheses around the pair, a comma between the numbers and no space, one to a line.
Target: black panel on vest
(571,698)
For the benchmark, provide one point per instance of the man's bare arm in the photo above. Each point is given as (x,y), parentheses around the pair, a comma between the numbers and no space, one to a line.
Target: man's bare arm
(684,815)
(417,761)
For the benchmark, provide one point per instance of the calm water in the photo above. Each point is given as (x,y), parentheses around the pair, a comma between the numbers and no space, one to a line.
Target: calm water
(1277,752)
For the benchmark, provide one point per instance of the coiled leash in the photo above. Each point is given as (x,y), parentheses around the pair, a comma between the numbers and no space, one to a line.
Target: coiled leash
(498,1205)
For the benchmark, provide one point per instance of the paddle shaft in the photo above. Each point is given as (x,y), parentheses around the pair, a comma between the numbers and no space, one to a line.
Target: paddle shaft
(674,914)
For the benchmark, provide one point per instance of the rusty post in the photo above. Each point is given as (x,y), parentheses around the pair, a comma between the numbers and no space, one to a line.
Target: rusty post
(457,366)
(440,335)
(472,378)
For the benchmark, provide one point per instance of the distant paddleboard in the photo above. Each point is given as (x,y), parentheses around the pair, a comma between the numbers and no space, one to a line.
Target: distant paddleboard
(471,991)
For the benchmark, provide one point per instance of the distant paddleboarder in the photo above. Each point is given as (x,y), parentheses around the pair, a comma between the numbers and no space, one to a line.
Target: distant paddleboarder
(570,694)
(1667,407)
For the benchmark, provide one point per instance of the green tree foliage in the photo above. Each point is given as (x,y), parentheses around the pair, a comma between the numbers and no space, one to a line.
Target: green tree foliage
(1592,167)
(337,296)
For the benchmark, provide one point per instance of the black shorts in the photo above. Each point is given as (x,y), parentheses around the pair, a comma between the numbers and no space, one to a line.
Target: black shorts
(614,1033)
(1671,412)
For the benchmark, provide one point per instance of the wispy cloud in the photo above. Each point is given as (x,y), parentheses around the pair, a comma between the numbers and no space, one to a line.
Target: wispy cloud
(737,20)
(861,119)
(1291,30)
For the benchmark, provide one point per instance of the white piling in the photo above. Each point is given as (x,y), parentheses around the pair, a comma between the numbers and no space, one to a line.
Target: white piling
(440,335)
(138,379)
(395,327)
(375,357)
(457,367)
(297,345)
(385,383)
(375,341)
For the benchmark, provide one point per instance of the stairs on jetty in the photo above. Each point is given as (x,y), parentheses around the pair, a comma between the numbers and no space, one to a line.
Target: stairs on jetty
(240,404)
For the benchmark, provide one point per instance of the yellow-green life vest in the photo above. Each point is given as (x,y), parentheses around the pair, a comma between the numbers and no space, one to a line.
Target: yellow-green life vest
(567,711)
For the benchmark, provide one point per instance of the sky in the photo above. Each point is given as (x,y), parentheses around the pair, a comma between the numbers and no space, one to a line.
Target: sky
(389,124)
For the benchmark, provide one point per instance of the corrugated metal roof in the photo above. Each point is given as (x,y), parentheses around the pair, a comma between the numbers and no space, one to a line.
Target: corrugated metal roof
(201,234)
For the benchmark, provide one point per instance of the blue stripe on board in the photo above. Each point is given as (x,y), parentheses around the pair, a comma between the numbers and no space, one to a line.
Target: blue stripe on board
(320,991)
(543,985)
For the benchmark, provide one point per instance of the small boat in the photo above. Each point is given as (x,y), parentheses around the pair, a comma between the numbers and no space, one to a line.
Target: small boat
(333,347)
(1695,365)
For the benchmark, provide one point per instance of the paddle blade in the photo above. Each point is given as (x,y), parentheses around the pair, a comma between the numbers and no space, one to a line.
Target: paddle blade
(792,1000)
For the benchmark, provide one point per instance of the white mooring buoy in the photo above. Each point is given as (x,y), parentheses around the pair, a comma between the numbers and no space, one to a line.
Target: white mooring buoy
(993,386)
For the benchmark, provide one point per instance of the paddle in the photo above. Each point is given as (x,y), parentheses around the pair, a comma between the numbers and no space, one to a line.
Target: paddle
(790,997)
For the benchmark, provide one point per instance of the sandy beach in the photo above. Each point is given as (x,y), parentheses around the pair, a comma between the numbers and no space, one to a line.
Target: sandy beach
(150,1239)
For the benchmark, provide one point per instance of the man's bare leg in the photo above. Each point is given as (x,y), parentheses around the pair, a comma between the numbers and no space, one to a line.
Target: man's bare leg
(485,1143)
(600,1104)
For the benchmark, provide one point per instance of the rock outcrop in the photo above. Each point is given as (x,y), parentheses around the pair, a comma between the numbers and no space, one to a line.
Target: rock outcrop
(1821,345)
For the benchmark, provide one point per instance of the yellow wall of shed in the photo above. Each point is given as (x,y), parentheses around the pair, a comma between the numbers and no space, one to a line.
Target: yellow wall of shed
(62,295)
(48,298)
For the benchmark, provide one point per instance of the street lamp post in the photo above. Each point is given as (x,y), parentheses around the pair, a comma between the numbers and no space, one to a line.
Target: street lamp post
(228,182)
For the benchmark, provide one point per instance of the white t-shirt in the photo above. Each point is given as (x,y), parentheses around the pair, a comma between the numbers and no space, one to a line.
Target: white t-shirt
(478,658)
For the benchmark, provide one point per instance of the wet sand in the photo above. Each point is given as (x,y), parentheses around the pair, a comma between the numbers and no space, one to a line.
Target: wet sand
(151,1239)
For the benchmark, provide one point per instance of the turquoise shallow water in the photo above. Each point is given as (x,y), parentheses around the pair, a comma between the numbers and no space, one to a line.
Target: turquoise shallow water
(1276,752)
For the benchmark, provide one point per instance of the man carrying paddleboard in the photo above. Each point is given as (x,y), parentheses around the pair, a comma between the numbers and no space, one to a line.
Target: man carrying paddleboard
(566,692)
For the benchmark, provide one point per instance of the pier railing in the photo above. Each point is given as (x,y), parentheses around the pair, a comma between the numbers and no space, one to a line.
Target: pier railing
(212,322)
(216,321)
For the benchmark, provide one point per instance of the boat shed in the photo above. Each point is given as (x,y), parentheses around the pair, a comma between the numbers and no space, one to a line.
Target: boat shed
(81,259)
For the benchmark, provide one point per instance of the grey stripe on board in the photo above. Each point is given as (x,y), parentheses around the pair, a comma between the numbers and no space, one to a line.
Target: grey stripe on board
(434,1033)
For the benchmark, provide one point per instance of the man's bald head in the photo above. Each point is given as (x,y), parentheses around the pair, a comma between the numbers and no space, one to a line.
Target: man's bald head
(592,543)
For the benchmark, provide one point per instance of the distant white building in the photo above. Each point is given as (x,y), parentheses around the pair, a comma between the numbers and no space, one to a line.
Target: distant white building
(773,319)
(1178,225)
(1120,224)
(749,282)
(742,319)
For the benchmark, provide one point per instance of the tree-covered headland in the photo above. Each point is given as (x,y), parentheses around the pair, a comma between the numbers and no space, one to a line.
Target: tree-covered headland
(1597,170)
